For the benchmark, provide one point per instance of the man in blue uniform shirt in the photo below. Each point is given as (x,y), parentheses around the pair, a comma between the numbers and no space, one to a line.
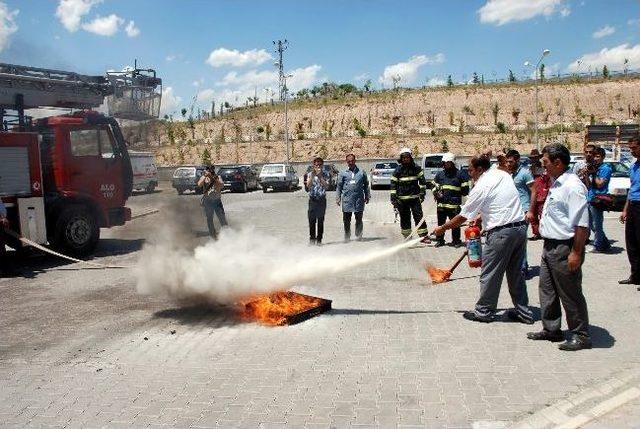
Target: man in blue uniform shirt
(630,216)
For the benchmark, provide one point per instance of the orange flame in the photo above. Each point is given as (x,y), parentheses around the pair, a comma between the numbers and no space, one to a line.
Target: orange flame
(438,275)
(273,309)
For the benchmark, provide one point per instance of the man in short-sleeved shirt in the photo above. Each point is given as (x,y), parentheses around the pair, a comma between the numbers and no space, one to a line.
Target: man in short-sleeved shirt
(564,227)
(523,180)
(630,216)
(495,197)
(599,181)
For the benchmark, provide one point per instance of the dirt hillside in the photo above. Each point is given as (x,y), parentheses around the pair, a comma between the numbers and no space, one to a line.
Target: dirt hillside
(461,119)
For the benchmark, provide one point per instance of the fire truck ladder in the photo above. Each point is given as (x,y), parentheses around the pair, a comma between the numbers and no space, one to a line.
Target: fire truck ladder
(132,94)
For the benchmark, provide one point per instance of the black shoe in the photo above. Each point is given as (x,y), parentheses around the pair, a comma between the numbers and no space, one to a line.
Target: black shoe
(312,242)
(318,242)
(554,337)
(439,244)
(471,315)
(576,343)
(513,315)
(457,243)
(628,281)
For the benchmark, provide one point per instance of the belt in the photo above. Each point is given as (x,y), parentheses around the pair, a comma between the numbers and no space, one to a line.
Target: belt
(508,225)
(557,241)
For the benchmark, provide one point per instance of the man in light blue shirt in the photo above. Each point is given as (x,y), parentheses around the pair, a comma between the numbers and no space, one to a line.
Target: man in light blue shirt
(599,185)
(630,216)
(523,180)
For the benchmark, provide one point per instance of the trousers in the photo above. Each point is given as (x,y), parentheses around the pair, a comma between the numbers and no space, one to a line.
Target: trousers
(503,253)
(560,286)
(346,220)
(596,220)
(632,239)
(406,209)
(211,206)
(316,212)
(444,214)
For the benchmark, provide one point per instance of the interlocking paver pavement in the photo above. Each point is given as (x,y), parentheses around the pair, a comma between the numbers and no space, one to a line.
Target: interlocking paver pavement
(393,352)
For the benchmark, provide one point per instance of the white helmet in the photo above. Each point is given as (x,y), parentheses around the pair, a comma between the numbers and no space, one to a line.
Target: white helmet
(406,151)
(448,157)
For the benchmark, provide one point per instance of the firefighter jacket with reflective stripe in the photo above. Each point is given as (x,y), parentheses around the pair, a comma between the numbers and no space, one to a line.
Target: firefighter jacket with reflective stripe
(408,183)
(448,188)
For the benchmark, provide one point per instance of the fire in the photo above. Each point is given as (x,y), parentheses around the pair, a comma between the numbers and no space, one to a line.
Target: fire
(277,308)
(438,275)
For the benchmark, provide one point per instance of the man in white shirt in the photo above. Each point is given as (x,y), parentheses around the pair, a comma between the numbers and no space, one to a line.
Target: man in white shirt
(564,225)
(496,199)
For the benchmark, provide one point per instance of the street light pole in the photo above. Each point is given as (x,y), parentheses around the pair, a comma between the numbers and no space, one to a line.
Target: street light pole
(285,91)
(527,63)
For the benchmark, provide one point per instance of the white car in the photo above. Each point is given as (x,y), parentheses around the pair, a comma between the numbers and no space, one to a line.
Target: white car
(381,173)
(278,177)
(145,172)
(431,165)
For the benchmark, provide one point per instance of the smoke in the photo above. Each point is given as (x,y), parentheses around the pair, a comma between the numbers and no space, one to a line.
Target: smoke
(242,263)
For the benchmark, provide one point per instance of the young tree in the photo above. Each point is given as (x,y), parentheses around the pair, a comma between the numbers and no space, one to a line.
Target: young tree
(512,77)
(541,72)
(605,71)
(206,157)
(367,86)
(475,79)
(495,109)
(449,81)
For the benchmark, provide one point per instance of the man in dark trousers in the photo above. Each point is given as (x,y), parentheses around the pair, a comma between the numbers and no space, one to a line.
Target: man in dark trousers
(564,225)
(4,223)
(317,184)
(631,216)
(449,186)
(408,188)
(352,191)
(212,186)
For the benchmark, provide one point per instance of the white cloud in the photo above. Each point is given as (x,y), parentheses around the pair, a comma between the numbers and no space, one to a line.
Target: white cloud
(408,71)
(8,24)
(436,81)
(198,82)
(500,12)
(565,11)
(70,12)
(361,77)
(613,58)
(170,102)
(104,26)
(633,22)
(132,30)
(607,30)
(170,57)
(231,57)
(235,87)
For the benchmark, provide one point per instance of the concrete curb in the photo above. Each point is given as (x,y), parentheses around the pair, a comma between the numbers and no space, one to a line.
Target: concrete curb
(581,408)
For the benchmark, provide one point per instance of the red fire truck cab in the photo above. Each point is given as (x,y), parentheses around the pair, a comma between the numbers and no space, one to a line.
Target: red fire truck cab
(64,177)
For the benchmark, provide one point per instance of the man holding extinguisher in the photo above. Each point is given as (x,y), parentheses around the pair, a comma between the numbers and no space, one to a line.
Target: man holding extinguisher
(496,198)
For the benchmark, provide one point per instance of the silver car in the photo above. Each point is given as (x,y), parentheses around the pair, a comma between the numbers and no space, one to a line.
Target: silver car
(381,174)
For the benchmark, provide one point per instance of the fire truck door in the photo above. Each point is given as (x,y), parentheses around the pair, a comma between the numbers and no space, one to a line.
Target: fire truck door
(96,168)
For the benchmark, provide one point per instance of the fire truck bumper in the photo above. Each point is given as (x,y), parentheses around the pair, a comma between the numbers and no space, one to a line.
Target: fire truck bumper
(119,216)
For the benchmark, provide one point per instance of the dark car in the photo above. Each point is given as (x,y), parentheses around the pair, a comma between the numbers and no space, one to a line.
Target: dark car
(330,170)
(238,178)
(186,179)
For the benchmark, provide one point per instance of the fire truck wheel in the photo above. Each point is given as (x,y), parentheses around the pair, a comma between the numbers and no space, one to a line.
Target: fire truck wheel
(77,231)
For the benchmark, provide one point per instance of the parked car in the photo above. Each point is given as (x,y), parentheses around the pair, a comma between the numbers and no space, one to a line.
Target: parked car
(330,170)
(381,173)
(618,185)
(431,164)
(145,172)
(278,177)
(186,179)
(238,178)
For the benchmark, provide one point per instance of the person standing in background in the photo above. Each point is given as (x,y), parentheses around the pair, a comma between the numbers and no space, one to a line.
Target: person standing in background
(317,184)
(353,193)
(630,216)
(541,185)
(523,179)
(599,185)
(212,186)
(408,189)
(449,186)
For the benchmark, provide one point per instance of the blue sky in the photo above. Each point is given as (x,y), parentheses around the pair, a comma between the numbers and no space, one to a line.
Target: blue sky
(222,50)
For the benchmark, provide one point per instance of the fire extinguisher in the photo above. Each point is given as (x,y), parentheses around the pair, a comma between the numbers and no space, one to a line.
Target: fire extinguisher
(474,246)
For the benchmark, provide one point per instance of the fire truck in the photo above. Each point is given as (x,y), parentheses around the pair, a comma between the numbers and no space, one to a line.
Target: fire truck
(64,177)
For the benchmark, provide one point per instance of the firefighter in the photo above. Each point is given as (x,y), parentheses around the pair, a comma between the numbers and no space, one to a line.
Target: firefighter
(408,188)
(449,186)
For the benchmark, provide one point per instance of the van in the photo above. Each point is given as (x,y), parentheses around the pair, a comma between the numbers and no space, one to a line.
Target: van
(186,179)
(145,172)
(431,164)
(278,177)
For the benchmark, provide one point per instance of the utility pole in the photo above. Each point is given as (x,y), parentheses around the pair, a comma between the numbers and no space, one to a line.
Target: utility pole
(281,46)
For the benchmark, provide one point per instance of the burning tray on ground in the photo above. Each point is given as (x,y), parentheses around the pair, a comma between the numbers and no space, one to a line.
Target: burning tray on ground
(283,308)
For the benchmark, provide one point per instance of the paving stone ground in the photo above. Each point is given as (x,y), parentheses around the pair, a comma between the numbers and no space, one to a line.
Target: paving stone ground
(81,349)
